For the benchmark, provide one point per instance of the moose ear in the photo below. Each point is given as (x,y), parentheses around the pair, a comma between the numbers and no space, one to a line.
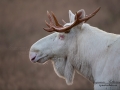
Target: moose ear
(71,16)
(81,14)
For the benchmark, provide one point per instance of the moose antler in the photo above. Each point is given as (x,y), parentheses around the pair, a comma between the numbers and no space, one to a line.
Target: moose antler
(60,28)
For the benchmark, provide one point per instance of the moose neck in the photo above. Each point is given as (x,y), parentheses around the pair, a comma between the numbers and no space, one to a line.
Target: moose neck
(90,46)
(78,54)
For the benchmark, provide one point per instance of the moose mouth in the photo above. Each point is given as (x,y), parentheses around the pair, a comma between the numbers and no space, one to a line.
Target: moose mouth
(43,59)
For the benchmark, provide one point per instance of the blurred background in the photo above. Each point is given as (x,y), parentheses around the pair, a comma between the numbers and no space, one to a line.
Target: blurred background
(21,23)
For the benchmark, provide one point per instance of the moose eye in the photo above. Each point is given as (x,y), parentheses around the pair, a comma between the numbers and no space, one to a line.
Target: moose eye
(61,36)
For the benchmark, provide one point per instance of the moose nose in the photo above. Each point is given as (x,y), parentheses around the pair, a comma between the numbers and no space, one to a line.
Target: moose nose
(32,56)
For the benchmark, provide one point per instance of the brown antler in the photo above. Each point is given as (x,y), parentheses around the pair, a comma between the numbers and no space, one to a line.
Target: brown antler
(52,25)
(59,28)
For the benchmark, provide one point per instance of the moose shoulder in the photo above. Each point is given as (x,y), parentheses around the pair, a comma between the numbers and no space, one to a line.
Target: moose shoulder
(78,46)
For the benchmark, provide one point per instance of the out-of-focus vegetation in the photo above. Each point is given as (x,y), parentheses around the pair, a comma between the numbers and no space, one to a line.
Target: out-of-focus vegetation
(21,23)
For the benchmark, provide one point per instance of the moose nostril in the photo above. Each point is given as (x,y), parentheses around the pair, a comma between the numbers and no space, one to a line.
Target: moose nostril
(33,58)
(32,55)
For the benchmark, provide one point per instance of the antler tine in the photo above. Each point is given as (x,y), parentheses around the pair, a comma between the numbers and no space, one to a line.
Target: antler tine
(56,21)
(50,18)
(76,16)
(90,16)
(51,26)
(50,29)
(47,24)
(63,21)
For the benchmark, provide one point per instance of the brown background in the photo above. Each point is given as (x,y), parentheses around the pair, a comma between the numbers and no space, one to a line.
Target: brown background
(21,23)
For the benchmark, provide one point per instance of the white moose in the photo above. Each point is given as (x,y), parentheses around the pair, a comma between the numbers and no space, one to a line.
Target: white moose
(77,46)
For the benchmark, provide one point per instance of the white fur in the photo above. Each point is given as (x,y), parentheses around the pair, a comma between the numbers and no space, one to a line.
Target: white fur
(88,50)
(71,16)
